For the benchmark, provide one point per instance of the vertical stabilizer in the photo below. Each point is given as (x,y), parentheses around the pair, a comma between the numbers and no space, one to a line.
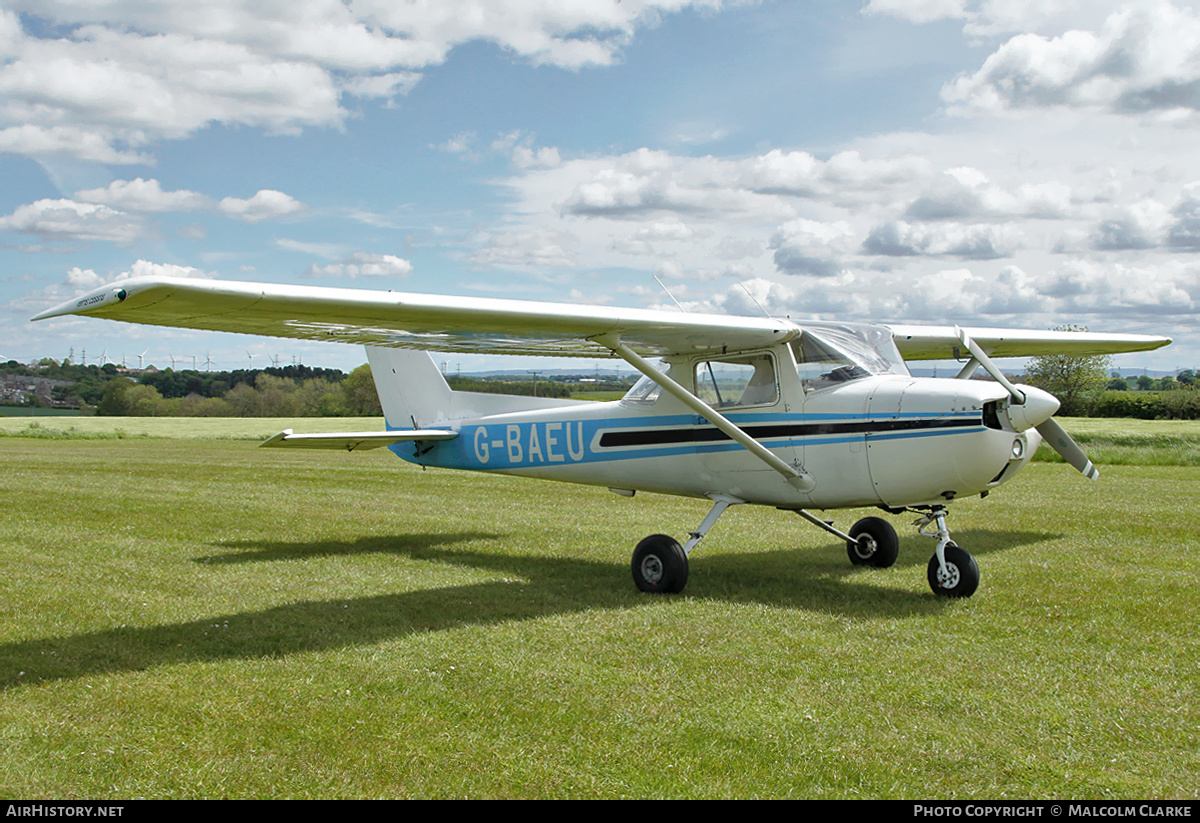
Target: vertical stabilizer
(411,389)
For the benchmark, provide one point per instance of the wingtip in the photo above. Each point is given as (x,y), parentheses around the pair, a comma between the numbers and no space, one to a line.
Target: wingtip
(85,304)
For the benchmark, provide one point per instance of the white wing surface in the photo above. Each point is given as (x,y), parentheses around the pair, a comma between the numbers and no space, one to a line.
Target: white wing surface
(943,342)
(491,326)
(416,321)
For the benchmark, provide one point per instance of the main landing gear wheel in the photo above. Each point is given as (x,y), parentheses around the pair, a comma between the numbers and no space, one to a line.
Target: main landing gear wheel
(877,544)
(660,565)
(961,576)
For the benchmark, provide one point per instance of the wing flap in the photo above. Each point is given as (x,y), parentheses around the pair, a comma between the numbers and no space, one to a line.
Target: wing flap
(353,441)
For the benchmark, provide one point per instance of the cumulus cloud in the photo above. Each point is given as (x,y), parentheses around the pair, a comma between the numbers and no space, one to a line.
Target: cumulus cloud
(1143,58)
(980,17)
(1137,226)
(645,182)
(537,248)
(146,268)
(80,280)
(70,220)
(381,85)
(1089,287)
(898,238)
(266,204)
(114,77)
(1185,232)
(918,11)
(965,193)
(809,247)
(362,264)
(145,195)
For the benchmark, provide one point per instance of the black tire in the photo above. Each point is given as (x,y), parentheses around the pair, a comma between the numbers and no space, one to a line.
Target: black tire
(660,565)
(877,544)
(962,573)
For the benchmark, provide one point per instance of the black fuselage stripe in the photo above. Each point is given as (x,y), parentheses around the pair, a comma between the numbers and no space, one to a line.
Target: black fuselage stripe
(710,434)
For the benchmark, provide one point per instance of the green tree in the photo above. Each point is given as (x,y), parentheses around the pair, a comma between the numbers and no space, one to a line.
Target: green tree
(112,403)
(359,390)
(1073,379)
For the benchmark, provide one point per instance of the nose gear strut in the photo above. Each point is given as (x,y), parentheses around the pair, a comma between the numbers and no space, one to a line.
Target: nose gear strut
(952,571)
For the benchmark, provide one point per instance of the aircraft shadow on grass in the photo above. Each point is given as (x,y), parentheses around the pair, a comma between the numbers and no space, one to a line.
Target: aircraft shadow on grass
(802,579)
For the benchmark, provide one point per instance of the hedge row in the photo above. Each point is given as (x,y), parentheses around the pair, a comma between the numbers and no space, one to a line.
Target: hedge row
(1168,405)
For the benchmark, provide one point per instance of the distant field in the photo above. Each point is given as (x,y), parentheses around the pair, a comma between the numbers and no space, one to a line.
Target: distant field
(186,428)
(190,617)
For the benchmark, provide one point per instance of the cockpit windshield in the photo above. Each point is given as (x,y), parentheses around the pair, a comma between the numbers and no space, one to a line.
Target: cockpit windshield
(827,355)
(644,390)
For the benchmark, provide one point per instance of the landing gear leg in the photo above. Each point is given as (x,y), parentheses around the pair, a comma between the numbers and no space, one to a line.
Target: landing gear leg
(952,571)
(660,564)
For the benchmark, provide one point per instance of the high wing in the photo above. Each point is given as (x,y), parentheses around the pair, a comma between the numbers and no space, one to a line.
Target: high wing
(944,343)
(495,326)
(417,321)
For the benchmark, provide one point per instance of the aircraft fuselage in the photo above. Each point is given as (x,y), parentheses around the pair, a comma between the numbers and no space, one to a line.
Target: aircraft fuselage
(889,440)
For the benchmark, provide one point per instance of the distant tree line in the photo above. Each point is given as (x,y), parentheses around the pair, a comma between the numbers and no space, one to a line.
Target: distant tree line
(288,391)
(556,386)
(1085,387)
(262,394)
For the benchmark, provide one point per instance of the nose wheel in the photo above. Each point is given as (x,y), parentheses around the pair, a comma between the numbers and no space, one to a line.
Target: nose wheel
(952,571)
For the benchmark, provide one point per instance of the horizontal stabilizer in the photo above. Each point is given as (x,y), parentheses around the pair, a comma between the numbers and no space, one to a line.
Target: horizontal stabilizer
(353,441)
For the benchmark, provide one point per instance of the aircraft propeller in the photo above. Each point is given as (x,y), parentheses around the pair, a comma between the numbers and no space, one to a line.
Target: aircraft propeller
(1031,407)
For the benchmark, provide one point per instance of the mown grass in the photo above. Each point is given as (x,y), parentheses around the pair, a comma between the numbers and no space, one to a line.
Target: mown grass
(199,618)
(1127,442)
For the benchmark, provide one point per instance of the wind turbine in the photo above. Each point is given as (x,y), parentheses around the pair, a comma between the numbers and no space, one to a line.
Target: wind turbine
(140,357)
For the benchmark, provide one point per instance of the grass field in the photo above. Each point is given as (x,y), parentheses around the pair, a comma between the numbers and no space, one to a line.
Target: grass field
(189,616)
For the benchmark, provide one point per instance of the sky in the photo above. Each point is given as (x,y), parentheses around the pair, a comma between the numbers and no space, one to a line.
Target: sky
(1001,163)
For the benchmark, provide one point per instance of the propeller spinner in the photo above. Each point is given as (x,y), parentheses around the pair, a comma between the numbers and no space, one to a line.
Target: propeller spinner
(1030,407)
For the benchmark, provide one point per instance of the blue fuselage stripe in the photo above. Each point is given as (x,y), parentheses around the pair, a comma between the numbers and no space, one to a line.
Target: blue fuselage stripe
(492,446)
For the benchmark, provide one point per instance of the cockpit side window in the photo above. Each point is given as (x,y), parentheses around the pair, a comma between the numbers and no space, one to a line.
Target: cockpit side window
(735,382)
(831,355)
(820,365)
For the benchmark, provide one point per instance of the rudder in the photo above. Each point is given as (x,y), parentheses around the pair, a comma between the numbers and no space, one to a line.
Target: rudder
(412,391)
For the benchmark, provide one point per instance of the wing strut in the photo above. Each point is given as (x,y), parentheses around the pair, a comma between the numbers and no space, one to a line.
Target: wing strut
(799,479)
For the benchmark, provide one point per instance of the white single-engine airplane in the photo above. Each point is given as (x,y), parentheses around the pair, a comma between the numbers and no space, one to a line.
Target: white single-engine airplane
(796,415)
